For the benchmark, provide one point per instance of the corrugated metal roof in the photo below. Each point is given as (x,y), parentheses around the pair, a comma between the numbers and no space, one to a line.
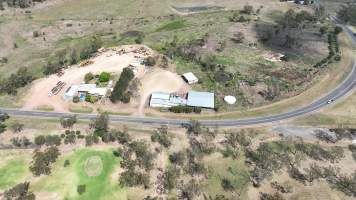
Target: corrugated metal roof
(190,77)
(160,95)
(72,91)
(201,99)
(86,87)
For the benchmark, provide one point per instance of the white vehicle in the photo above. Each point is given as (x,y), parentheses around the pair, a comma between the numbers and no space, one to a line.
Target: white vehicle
(330,101)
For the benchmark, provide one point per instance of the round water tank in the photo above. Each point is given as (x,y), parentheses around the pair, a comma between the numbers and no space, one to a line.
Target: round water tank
(230,99)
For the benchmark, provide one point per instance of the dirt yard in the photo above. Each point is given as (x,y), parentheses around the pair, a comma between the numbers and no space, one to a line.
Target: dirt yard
(152,80)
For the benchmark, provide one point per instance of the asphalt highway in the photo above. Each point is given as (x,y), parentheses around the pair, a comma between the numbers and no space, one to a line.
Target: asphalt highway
(341,90)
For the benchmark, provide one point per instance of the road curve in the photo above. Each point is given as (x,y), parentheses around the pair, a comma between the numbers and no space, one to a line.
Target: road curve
(341,90)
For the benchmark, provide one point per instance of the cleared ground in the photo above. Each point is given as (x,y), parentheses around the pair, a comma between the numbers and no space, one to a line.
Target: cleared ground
(152,80)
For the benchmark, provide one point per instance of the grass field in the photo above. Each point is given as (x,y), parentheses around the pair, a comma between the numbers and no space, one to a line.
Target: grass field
(99,185)
(234,170)
(13,167)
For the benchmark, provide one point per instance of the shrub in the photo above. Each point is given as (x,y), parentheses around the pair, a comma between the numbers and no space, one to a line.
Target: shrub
(40,140)
(248,9)
(88,77)
(337,30)
(91,99)
(104,77)
(81,189)
(150,61)
(76,99)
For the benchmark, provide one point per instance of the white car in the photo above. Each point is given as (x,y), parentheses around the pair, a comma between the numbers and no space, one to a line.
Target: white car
(330,101)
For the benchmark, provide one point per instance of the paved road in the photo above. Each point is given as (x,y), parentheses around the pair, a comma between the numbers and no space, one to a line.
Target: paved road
(345,87)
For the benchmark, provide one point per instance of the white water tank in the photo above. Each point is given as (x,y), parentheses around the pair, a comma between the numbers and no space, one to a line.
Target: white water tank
(230,100)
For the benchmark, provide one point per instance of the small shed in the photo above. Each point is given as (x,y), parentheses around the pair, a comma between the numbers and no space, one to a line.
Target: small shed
(190,78)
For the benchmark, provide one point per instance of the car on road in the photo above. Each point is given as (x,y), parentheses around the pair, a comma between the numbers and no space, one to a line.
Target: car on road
(330,101)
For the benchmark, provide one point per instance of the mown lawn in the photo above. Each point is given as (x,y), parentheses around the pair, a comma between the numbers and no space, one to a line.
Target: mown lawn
(64,180)
(13,172)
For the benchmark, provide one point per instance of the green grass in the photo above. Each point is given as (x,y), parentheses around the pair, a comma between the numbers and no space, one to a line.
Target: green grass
(80,109)
(174,25)
(234,170)
(13,172)
(64,180)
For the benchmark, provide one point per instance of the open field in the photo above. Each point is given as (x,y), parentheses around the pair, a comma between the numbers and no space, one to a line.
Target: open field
(66,27)
(82,170)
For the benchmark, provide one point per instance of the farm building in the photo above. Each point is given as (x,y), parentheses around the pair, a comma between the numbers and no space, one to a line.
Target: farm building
(195,99)
(190,78)
(83,90)
(162,99)
(201,99)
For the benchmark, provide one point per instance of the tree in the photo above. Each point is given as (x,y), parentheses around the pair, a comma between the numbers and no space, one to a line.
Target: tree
(74,57)
(248,9)
(119,92)
(100,124)
(161,136)
(178,158)
(19,192)
(150,61)
(53,140)
(275,196)
(104,77)
(69,121)
(88,77)
(16,127)
(190,190)
(337,30)
(81,189)
(323,30)
(347,13)
(226,184)
(40,140)
(42,161)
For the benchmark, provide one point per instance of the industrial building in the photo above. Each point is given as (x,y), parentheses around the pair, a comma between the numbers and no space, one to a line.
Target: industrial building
(194,99)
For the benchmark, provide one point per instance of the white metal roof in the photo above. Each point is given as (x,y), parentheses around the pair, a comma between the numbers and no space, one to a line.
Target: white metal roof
(86,87)
(201,99)
(71,91)
(98,91)
(160,95)
(190,77)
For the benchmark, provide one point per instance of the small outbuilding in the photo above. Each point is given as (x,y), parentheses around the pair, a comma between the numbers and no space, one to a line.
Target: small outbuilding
(190,78)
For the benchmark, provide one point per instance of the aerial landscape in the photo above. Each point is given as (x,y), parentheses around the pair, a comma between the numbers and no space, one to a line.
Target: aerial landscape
(177,99)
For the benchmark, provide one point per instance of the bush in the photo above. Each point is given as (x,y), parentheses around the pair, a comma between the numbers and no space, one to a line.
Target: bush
(91,99)
(104,77)
(88,77)
(337,30)
(42,161)
(76,99)
(248,9)
(149,61)
(81,189)
(40,140)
